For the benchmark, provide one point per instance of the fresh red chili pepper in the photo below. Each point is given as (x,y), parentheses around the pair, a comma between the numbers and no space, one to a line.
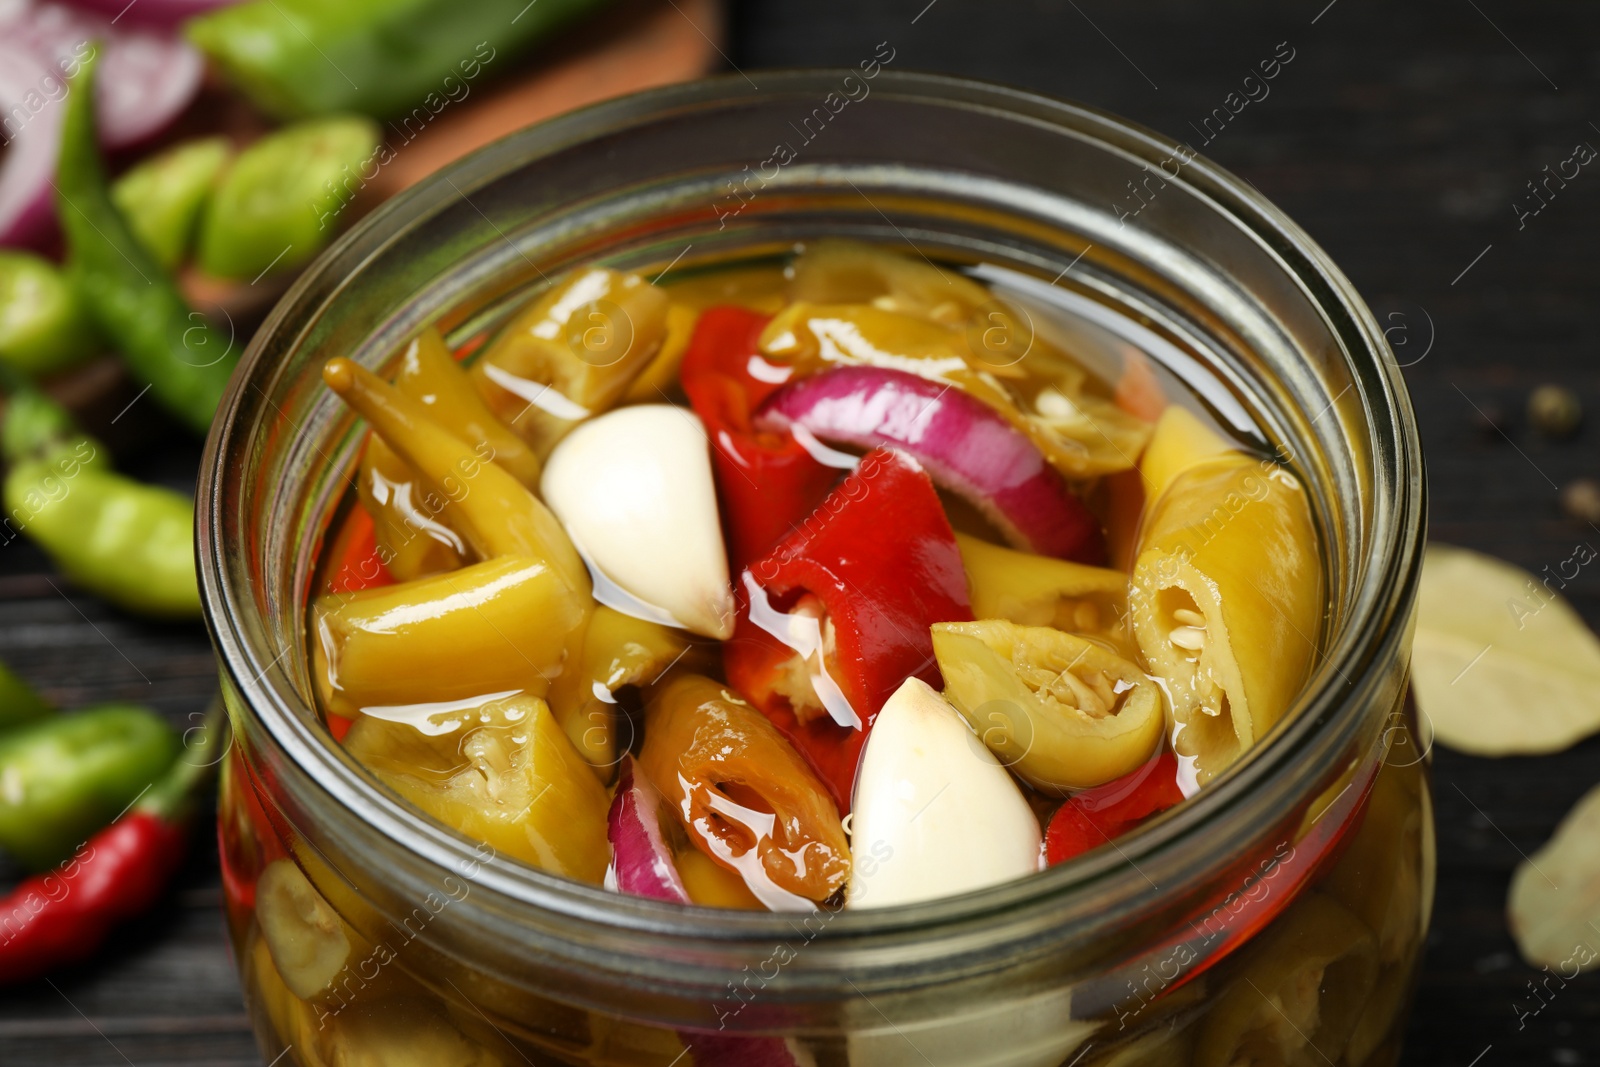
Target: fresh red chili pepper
(1091,818)
(766,481)
(879,560)
(356,549)
(61,917)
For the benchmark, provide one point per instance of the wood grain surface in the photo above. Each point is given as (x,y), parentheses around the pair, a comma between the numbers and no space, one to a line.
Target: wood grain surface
(1401,136)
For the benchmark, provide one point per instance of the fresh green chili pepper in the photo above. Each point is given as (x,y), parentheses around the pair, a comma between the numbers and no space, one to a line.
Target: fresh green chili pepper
(380,57)
(275,207)
(19,703)
(62,779)
(162,197)
(128,542)
(185,362)
(43,327)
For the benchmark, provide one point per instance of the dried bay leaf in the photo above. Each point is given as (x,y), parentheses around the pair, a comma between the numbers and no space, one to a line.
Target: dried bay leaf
(1554,903)
(1501,664)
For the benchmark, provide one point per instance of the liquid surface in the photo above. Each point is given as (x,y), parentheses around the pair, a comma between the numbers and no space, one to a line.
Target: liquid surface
(843,581)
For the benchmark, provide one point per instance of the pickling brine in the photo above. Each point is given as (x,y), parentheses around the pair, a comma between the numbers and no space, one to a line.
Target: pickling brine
(843,582)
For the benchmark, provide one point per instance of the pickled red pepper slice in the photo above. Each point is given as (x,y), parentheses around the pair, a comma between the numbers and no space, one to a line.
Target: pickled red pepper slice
(967,446)
(835,618)
(766,480)
(360,565)
(1091,818)
(726,343)
(748,801)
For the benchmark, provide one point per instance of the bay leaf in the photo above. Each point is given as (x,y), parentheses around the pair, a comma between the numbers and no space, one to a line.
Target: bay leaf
(1501,664)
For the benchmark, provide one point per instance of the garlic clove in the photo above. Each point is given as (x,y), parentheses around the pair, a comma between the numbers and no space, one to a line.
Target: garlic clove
(935,813)
(634,489)
(305,938)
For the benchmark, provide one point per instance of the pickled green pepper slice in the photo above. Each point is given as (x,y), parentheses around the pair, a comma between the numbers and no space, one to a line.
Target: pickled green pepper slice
(1061,711)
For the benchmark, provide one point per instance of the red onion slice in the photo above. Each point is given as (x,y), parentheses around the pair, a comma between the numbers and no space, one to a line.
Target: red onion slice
(32,132)
(967,447)
(144,82)
(641,863)
(164,13)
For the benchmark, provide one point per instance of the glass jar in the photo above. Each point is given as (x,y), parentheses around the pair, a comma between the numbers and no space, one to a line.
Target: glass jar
(1276,918)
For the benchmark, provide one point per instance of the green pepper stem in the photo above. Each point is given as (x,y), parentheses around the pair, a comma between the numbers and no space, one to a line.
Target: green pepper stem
(130,297)
(33,422)
(170,797)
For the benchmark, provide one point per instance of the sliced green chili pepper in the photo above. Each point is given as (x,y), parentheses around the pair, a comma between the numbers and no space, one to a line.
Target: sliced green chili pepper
(19,703)
(162,197)
(276,206)
(185,362)
(310,57)
(43,327)
(62,779)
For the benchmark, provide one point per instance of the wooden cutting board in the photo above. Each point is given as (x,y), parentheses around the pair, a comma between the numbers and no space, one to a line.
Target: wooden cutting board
(639,44)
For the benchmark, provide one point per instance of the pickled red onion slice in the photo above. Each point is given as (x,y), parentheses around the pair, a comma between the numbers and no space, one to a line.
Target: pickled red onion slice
(966,446)
(641,863)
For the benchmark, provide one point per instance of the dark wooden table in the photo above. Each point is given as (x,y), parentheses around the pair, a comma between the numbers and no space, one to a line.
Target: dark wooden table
(1401,137)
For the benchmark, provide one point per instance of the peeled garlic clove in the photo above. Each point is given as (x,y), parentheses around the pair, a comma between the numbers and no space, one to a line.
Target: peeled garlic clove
(305,938)
(935,813)
(634,490)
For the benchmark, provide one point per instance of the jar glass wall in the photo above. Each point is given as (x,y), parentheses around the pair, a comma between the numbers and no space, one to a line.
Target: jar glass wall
(1275,918)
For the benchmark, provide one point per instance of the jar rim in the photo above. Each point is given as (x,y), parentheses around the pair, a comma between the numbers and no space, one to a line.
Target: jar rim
(1324,715)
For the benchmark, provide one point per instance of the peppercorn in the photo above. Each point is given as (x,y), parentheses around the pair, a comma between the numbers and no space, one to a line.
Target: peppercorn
(1580,499)
(1555,411)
